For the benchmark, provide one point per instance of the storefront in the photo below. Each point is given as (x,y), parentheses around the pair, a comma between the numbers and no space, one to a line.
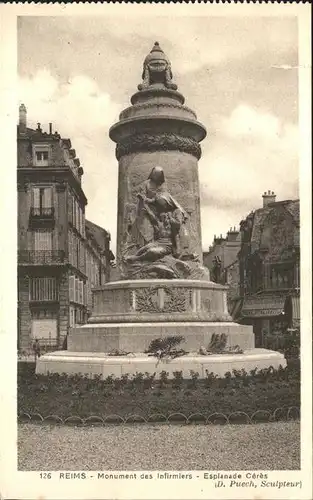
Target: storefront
(266,314)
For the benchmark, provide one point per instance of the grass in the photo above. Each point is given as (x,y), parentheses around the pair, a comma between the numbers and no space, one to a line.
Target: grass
(160,447)
(64,396)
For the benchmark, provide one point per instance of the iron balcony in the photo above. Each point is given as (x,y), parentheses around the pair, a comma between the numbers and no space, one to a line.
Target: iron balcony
(41,257)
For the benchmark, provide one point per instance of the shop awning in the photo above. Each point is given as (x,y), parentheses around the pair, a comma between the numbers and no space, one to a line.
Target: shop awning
(295,308)
(260,306)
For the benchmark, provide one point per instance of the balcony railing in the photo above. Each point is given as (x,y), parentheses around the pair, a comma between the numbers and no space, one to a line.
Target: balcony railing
(41,216)
(42,211)
(41,257)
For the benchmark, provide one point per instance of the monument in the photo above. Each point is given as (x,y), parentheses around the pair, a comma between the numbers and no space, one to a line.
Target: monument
(163,288)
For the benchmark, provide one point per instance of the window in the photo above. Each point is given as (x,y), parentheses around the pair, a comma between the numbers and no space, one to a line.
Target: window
(78,218)
(77,215)
(70,247)
(43,289)
(82,262)
(81,292)
(281,276)
(76,290)
(72,316)
(77,252)
(72,288)
(70,208)
(45,330)
(41,155)
(41,198)
(42,240)
(83,225)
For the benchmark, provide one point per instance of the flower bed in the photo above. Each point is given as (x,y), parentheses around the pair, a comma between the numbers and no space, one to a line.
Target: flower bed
(65,396)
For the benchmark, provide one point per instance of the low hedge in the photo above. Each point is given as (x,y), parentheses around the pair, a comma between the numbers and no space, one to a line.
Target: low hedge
(142,394)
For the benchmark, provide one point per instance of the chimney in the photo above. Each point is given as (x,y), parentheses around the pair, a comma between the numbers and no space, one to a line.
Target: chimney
(39,127)
(22,118)
(268,197)
(232,234)
(50,128)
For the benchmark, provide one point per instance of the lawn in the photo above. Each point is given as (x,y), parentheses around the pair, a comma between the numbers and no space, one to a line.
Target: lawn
(268,446)
(64,396)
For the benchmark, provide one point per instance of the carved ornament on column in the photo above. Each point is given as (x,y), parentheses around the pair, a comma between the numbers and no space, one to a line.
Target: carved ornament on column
(159,142)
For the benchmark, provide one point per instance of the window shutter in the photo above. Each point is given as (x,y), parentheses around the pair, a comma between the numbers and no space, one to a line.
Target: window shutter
(47,198)
(77,215)
(83,225)
(70,247)
(70,208)
(76,290)
(80,292)
(36,197)
(74,211)
(82,256)
(71,288)
(78,218)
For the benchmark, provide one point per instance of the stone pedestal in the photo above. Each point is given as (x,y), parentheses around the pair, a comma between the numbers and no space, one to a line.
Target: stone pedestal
(128,315)
(156,300)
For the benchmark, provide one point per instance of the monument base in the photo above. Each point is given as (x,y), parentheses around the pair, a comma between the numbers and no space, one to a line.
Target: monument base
(91,363)
(136,337)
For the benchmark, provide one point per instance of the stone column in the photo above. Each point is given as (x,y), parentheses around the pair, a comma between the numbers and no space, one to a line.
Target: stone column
(158,130)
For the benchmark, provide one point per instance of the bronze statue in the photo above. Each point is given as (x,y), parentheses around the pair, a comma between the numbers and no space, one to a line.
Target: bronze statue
(166,227)
(153,199)
(154,246)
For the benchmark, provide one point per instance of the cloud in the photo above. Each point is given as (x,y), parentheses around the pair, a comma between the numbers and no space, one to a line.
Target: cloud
(246,121)
(253,151)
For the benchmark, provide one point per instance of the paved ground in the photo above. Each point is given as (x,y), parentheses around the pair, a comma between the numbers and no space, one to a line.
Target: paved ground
(160,447)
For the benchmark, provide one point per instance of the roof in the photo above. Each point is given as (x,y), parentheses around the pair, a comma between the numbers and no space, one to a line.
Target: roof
(36,134)
(291,206)
(97,234)
(294,208)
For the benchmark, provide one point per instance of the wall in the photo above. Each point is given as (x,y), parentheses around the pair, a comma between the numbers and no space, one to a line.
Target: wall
(24,313)
(24,204)
(64,304)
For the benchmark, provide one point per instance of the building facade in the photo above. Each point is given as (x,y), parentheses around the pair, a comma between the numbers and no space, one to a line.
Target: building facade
(59,258)
(261,266)
(269,266)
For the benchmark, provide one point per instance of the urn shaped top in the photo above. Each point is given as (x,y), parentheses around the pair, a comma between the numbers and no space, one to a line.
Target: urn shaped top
(156,54)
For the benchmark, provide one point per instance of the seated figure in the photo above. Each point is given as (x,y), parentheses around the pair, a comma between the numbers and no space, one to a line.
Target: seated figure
(154,244)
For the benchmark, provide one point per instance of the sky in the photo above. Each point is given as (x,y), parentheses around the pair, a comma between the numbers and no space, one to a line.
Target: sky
(238,74)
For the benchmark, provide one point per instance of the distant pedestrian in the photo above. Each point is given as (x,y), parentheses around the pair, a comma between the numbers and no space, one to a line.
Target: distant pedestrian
(64,346)
(36,349)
